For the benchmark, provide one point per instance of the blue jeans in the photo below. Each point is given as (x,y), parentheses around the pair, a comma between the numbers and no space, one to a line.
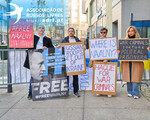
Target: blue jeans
(132,87)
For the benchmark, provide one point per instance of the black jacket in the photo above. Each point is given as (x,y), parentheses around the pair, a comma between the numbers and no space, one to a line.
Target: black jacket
(66,39)
(46,42)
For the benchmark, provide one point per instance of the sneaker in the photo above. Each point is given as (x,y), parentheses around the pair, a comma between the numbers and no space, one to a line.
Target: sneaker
(109,96)
(77,94)
(29,96)
(98,95)
(129,95)
(136,97)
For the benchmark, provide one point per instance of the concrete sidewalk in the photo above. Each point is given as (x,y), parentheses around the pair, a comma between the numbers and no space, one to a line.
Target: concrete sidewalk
(15,106)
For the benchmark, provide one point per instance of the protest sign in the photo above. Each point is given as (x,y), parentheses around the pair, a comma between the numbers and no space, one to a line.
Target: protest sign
(48,73)
(84,80)
(133,49)
(104,78)
(75,58)
(21,34)
(101,49)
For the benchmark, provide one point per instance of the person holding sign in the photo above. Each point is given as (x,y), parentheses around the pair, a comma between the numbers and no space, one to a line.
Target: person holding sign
(103,34)
(132,72)
(40,42)
(70,39)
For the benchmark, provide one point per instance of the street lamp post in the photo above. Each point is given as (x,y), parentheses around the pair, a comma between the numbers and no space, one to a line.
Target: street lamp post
(9,89)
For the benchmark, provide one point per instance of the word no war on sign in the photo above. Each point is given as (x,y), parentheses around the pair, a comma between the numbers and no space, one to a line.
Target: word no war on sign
(104,78)
(103,48)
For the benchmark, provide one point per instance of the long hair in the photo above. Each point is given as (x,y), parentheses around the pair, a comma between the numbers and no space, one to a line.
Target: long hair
(135,30)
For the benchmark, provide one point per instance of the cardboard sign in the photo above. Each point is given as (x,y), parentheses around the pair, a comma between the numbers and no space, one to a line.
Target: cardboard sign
(101,49)
(104,78)
(133,49)
(48,73)
(75,58)
(21,35)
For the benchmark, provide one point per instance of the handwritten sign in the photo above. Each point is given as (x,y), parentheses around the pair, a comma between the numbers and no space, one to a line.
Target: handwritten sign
(103,49)
(85,80)
(133,49)
(75,58)
(21,34)
(104,78)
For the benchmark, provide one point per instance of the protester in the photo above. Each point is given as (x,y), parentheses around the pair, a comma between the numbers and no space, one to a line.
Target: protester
(103,34)
(70,39)
(40,42)
(132,72)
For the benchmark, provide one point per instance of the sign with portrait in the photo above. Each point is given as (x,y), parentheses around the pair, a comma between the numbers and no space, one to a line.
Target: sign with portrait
(48,73)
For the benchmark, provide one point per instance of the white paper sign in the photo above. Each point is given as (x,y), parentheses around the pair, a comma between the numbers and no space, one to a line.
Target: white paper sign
(104,77)
(103,49)
(84,81)
(74,58)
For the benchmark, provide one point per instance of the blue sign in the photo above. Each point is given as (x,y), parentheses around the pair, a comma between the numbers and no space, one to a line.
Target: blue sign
(54,60)
(1,16)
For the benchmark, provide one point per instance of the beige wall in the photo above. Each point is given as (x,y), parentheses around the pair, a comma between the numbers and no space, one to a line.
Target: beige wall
(109,18)
(116,16)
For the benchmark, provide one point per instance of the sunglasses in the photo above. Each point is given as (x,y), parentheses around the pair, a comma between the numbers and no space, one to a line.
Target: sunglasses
(103,32)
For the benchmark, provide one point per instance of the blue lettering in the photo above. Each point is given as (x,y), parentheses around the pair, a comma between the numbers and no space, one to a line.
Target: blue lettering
(103,53)
(93,45)
(74,68)
(114,43)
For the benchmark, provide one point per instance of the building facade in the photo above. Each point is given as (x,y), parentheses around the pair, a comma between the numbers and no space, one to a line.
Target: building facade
(77,19)
(117,16)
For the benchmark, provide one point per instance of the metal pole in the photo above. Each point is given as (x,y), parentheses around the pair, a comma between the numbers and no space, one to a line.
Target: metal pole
(1,32)
(9,90)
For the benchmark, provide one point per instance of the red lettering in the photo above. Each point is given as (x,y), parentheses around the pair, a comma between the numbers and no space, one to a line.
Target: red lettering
(111,68)
(104,73)
(112,87)
(104,79)
(102,87)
